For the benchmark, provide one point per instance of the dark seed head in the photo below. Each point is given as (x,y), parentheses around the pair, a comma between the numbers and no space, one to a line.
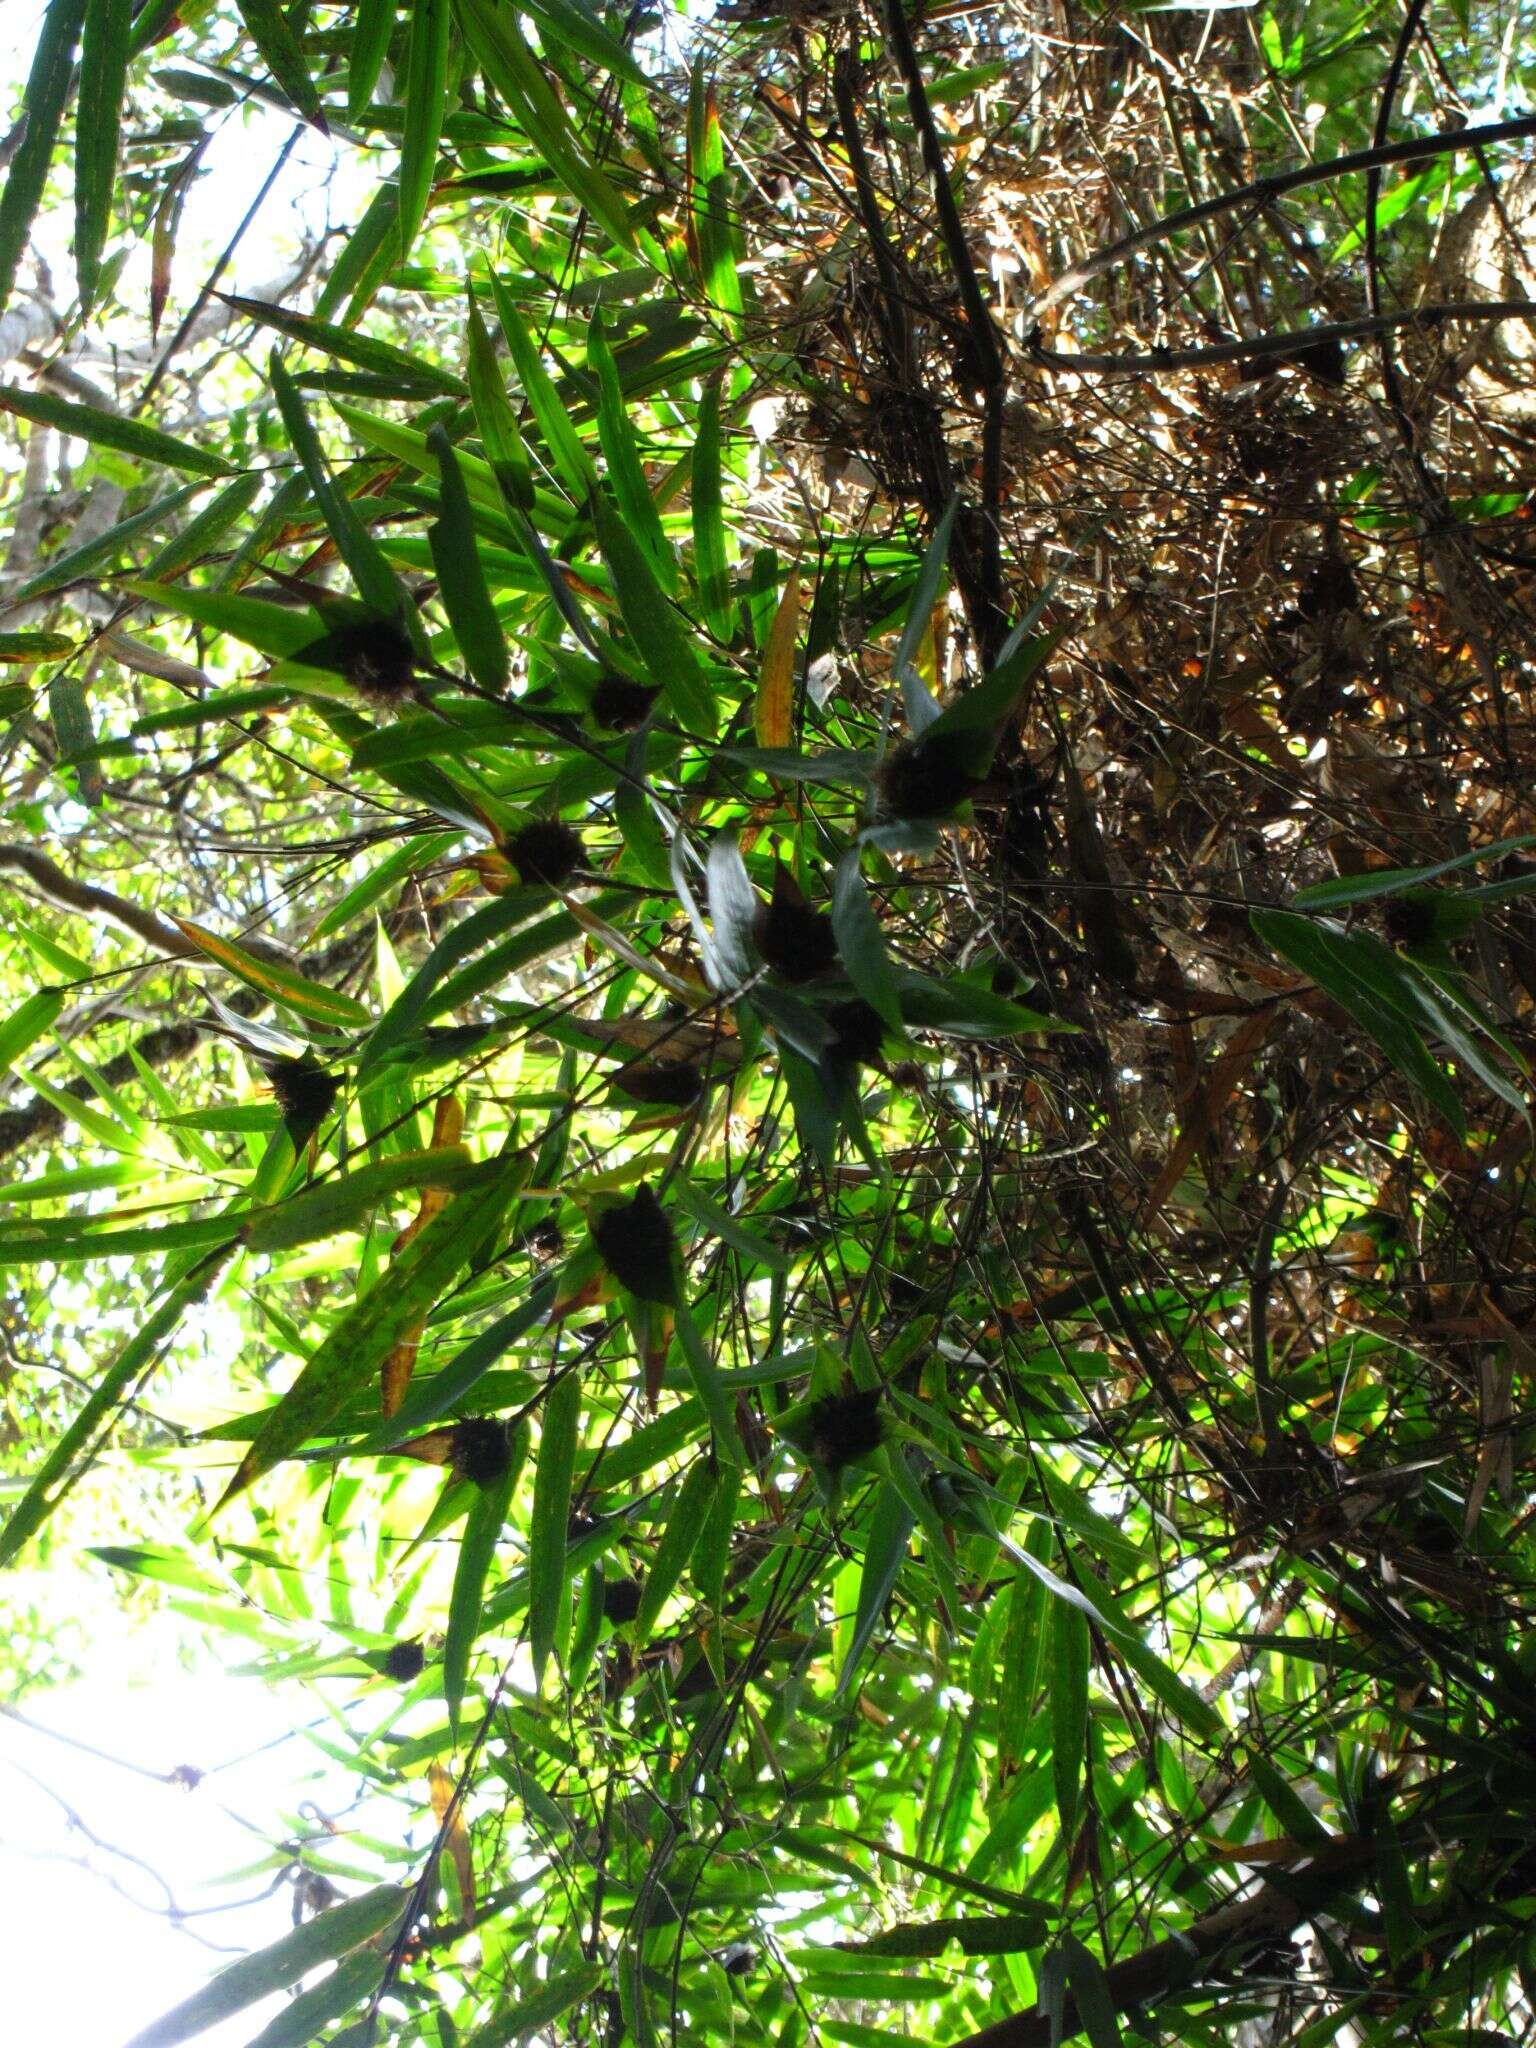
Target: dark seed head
(673,1083)
(1329,589)
(480,1450)
(846,1426)
(621,1601)
(545,851)
(636,1242)
(305,1092)
(1410,920)
(545,1241)
(619,705)
(795,940)
(858,1032)
(928,778)
(404,1661)
(375,656)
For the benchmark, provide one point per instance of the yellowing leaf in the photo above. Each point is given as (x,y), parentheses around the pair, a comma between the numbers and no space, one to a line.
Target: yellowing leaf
(395,1378)
(296,991)
(456,1840)
(776,685)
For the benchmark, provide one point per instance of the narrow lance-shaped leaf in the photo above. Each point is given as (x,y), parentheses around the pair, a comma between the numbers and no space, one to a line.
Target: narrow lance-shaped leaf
(330,1934)
(553,1473)
(1069,1708)
(283,55)
(460,576)
(495,417)
(885,1551)
(47,91)
(108,430)
(366,51)
(376,582)
(98,119)
(362,1339)
(425,101)
(685,1525)
(61,1467)
(710,543)
(621,453)
(773,710)
(477,1551)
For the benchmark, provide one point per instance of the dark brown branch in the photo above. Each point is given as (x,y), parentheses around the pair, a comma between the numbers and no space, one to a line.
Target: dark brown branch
(1263,192)
(1283,346)
(1272,1913)
(986,603)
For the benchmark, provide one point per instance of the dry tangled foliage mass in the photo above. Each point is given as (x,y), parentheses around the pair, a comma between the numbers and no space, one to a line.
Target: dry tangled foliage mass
(799,860)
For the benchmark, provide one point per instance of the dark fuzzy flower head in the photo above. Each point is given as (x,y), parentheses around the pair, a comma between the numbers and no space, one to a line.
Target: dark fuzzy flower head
(621,1601)
(858,1032)
(1411,920)
(619,705)
(673,1083)
(928,778)
(546,851)
(404,1661)
(480,1451)
(305,1092)
(795,940)
(376,657)
(545,1241)
(846,1426)
(636,1242)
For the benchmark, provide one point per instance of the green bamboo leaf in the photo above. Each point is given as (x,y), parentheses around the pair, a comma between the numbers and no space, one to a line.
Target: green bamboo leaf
(47,91)
(707,472)
(376,582)
(92,557)
(23,650)
(540,2008)
(28,1023)
(716,243)
(691,1198)
(1368,980)
(348,1201)
(691,1506)
(107,430)
(348,346)
(477,1551)
(568,22)
(330,1934)
(275,630)
(710,1388)
(305,2018)
(280,50)
(548,1571)
(366,51)
(200,535)
(1069,1708)
(425,101)
(461,579)
(665,647)
(885,1552)
(497,40)
(98,118)
(363,1337)
(311,999)
(70,710)
(572,464)
(494,416)
(1091,1990)
(63,1465)
(860,941)
(626,472)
